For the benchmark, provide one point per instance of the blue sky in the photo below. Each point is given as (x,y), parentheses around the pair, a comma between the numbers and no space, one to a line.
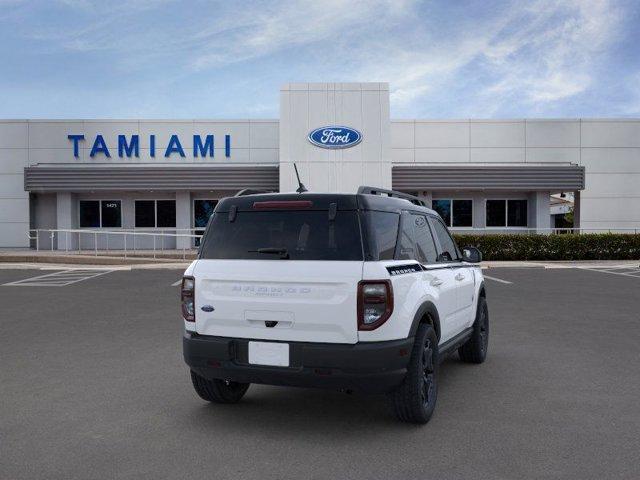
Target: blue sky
(202,59)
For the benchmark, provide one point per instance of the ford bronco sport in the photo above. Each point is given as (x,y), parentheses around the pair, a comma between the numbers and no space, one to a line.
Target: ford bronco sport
(364,292)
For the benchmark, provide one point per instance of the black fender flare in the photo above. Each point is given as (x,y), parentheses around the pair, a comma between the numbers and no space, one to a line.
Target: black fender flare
(481,291)
(427,308)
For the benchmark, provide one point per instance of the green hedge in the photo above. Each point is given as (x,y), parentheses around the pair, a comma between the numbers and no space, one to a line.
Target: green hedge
(588,246)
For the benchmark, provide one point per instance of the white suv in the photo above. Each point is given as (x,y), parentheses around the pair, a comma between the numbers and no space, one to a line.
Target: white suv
(364,292)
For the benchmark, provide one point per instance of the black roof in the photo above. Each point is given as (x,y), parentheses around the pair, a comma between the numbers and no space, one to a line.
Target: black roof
(321,201)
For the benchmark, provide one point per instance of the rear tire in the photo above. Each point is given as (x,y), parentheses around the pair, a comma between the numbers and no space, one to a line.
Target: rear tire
(475,350)
(218,391)
(415,400)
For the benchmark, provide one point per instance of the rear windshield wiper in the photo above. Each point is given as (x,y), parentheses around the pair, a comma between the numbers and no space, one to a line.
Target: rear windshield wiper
(284,254)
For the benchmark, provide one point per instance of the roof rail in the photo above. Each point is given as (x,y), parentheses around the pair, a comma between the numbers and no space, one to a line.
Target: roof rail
(391,193)
(250,191)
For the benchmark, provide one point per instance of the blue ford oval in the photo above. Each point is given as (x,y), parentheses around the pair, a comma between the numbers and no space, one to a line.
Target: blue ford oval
(335,136)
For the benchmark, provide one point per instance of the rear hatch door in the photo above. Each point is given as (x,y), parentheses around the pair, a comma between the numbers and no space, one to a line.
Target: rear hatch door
(280,271)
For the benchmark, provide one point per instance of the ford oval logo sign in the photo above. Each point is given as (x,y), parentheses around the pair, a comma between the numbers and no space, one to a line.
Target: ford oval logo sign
(335,136)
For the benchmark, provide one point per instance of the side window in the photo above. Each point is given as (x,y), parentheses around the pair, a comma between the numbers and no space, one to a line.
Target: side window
(425,246)
(449,250)
(382,234)
(406,242)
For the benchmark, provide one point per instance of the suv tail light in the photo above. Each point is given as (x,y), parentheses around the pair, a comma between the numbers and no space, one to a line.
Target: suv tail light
(375,303)
(187,298)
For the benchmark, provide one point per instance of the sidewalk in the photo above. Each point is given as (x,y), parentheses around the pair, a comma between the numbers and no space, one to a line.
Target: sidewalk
(88,257)
(175,257)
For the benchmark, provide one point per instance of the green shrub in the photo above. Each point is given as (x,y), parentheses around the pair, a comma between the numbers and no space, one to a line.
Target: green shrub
(587,246)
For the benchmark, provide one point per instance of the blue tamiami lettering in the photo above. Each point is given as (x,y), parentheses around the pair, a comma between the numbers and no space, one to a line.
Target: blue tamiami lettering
(174,147)
(129,146)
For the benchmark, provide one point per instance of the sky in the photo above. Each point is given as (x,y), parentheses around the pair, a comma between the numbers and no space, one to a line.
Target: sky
(228,59)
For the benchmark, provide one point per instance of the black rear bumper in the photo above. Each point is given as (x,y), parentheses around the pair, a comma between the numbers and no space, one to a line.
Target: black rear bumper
(373,367)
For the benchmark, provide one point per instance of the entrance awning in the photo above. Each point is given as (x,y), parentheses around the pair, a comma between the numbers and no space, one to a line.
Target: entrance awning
(555,178)
(74,178)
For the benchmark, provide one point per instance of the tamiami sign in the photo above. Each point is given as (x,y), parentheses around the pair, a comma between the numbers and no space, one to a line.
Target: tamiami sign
(203,146)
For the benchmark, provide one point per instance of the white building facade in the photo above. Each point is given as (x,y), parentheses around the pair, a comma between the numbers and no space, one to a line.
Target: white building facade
(167,175)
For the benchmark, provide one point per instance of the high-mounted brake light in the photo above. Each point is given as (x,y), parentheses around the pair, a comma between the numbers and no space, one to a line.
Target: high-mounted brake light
(375,303)
(187,298)
(286,204)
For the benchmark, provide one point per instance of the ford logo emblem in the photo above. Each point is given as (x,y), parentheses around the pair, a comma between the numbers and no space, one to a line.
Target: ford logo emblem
(335,136)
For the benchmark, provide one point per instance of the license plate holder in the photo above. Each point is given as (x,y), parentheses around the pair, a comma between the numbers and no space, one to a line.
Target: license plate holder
(274,354)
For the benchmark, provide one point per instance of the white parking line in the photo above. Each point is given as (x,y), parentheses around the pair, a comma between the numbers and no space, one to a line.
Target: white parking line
(175,284)
(623,271)
(499,280)
(58,279)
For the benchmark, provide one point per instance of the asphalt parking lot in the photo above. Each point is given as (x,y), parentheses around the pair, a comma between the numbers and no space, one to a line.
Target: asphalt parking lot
(92,385)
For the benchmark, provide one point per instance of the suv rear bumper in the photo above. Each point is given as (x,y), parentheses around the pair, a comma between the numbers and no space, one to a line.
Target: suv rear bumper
(372,367)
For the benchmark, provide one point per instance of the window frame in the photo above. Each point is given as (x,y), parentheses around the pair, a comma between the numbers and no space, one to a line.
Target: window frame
(155,213)
(506,213)
(451,199)
(100,200)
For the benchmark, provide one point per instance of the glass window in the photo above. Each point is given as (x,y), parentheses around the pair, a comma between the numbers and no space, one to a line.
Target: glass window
(202,210)
(443,207)
(425,246)
(111,213)
(496,213)
(89,214)
(407,239)
(449,250)
(145,213)
(166,213)
(462,213)
(382,234)
(295,235)
(517,213)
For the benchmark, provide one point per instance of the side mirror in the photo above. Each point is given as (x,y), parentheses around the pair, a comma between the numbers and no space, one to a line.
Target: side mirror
(471,255)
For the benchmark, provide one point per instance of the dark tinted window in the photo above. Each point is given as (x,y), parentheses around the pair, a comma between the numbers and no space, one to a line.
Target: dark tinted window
(517,213)
(145,213)
(425,247)
(304,235)
(407,241)
(166,212)
(496,213)
(202,210)
(89,214)
(449,251)
(382,234)
(111,214)
(462,213)
(443,207)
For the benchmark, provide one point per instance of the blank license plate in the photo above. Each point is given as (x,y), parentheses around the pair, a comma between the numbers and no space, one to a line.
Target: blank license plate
(269,353)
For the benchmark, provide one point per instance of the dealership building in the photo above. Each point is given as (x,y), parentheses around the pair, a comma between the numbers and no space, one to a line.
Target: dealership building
(167,175)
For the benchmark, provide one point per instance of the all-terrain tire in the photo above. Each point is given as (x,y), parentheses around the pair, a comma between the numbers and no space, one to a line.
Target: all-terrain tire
(415,399)
(475,349)
(218,391)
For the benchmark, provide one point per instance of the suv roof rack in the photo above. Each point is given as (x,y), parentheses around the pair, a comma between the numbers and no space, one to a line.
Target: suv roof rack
(391,193)
(251,191)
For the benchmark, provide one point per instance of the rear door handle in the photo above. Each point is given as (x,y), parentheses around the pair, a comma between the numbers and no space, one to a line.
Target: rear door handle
(436,282)
(459,277)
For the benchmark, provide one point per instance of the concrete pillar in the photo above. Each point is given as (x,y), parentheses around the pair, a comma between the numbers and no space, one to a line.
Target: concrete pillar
(362,106)
(427,197)
(66,218)
(576,209)
(183,219)
(479,210)
(539,211)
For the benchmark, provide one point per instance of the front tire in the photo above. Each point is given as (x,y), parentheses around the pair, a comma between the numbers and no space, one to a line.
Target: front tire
(415,400)
(475,350)
(218,391)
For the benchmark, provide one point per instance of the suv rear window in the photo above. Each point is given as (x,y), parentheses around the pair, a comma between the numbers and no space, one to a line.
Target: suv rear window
(277,235)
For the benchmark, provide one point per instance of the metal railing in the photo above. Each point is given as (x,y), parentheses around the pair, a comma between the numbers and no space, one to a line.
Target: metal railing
(128,241)
(531,230)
